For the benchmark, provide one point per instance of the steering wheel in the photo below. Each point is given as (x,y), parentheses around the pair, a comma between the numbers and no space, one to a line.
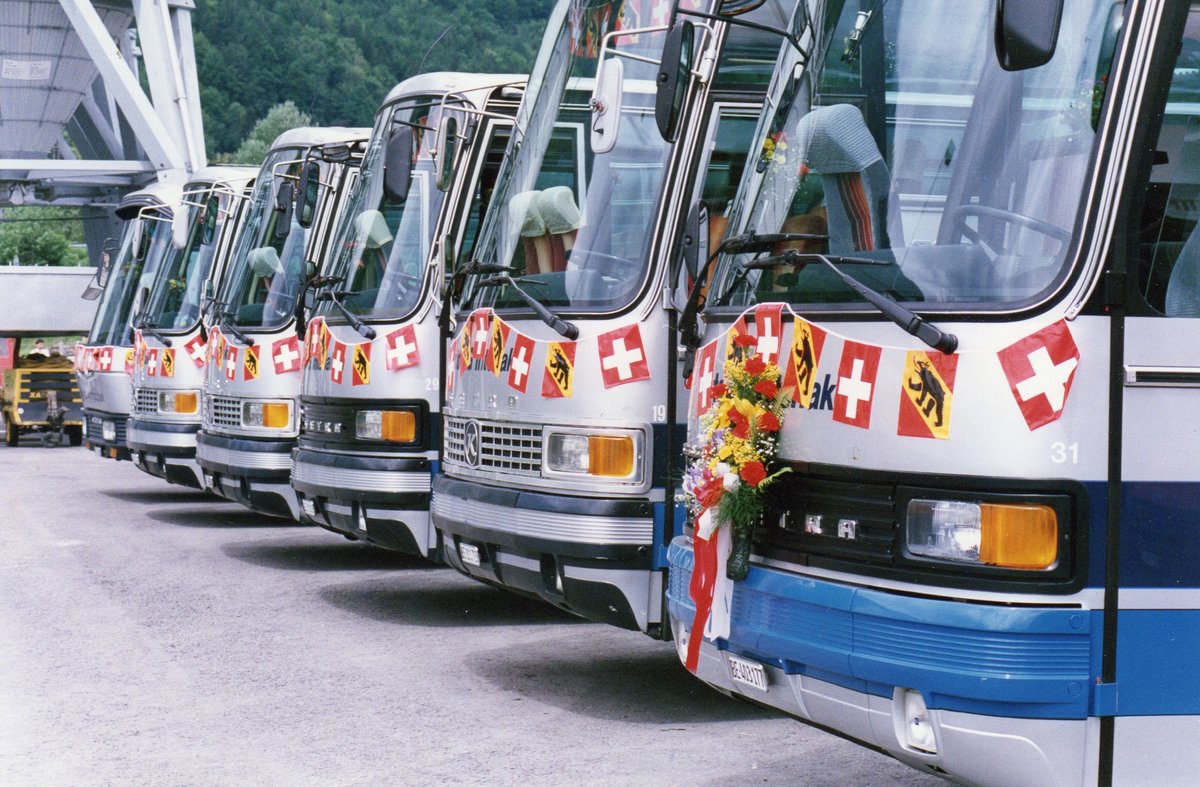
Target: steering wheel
(959,215)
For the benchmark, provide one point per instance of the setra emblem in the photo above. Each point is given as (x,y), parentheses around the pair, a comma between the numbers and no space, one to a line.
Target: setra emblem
(472,440)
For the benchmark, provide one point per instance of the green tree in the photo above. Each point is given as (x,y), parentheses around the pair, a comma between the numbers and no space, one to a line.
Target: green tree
(42,235)
(279,118)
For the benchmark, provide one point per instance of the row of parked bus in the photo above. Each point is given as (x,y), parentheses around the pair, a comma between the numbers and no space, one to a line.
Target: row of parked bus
(500,329)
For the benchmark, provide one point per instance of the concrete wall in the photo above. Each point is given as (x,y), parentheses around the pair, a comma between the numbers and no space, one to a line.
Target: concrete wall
(45,300)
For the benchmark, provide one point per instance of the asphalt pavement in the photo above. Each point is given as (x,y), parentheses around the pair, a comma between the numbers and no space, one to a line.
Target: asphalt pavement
(154,635)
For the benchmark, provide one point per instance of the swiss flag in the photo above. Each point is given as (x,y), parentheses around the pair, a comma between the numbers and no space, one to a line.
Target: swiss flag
(129,355)
(402,351)
(855,390)
(480,335)
(768,322)
(622,356)
(522,360)
(197,350)
(152,363)
(285,355)
(231,363)
(706,376)
(104,361)
(337,361)
(312,338)
(1040,369)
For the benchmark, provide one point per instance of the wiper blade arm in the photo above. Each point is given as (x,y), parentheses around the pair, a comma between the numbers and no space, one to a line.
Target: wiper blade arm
(802,258)
(153,331)
(335,297)
(561,326)
(912,323)
(751,241)
(226,324)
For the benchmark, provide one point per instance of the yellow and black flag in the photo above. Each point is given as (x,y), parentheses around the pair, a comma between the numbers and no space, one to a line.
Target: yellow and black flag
(927,394)
(801,372)
(498,341)
(360,364)
(559,375)
(250,363)
(168,363)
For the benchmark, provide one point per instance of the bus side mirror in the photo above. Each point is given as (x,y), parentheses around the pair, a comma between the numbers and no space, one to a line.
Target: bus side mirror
(179,229)
(397,165)
(693,248)
(606,105)
(447,152)
(284,200)
(309,189)
(1026,32)
(108,254)
(209,230)
(674,72)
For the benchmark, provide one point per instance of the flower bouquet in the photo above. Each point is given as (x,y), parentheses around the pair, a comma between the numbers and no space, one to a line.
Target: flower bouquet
(730,468)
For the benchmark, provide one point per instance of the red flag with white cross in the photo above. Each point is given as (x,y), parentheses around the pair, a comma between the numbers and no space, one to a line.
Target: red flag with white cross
(622,356)
(152,363)
(402,349)
(197,349)
(1040,369)
(521,362)
(285,355)
(105,359)
(706,376)
(856,383)
(231,362)
(768,329)
(480,334)
(337,361)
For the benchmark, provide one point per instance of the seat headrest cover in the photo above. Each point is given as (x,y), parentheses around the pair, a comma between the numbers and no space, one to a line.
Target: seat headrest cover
(523,211)
(558,209)
(836,140)
(372,228)
(264,261)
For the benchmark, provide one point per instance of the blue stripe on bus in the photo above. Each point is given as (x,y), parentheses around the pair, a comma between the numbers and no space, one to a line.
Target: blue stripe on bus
(1160,534)
(975,658)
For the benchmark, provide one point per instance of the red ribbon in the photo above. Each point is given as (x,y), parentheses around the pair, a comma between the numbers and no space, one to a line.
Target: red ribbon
(701,589)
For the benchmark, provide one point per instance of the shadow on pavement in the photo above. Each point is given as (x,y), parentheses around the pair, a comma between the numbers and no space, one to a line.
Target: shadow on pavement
(445,603)
(217,517)
(333,556)
(644,684)
(169,495)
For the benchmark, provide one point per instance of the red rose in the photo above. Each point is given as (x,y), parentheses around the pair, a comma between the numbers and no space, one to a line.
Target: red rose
(767,388)
(741,424)
(744,340)
(753,473)
(767,422)
(755,366)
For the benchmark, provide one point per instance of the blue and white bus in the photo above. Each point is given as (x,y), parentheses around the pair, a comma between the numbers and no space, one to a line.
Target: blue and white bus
(978,227)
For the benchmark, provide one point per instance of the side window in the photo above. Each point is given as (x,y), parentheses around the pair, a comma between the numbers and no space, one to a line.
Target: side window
(1169,237)
(727,158)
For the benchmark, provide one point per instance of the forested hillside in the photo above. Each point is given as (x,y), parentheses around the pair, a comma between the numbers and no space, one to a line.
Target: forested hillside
(336,59)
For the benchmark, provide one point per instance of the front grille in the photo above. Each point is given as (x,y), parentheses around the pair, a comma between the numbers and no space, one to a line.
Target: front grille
(849,520)
(145,401)
(224,411)
(504,447)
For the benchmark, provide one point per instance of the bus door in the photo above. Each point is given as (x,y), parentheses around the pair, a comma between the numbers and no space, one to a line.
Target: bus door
(1157,699)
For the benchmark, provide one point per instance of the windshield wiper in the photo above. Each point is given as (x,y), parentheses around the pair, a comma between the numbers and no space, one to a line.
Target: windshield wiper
(561,326)
(143,326)
(227,325)
(335,297)
(912,323)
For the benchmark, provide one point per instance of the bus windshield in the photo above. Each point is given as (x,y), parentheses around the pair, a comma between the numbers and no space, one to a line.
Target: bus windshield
(383,241)
(267,266)
(574,225)
(175,301)
(129,276)
(906,156)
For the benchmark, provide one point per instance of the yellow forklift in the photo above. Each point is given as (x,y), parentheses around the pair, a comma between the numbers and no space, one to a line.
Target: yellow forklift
(41,396)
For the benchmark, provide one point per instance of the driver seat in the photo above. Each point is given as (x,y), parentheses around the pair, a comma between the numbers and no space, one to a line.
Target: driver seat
(839,147)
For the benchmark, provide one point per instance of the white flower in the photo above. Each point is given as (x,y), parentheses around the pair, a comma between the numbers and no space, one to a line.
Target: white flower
(722,469)
(729,481)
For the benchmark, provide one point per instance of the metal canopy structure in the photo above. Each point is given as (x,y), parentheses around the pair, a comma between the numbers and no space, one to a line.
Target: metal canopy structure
(76,125)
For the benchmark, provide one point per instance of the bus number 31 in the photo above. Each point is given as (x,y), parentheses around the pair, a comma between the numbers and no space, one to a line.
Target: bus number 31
(1061,453)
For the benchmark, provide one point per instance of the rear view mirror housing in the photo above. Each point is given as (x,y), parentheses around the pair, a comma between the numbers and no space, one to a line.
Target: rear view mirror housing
(397,164)
(285,200)
(180,222)
(606,105)
(209,229)
(447,151)
(309,190)
(1026,32)
(674,73)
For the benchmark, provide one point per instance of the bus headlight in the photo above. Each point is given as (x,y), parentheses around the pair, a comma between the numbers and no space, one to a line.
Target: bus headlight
(394,426)
(179,402)
(267,414)
(1008,535)
(602,455)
